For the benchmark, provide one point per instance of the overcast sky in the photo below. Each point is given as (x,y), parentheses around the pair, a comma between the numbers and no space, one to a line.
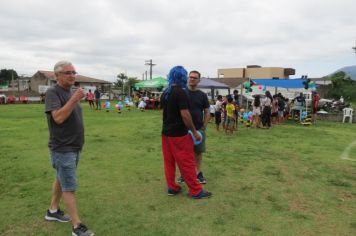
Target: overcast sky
(107,37)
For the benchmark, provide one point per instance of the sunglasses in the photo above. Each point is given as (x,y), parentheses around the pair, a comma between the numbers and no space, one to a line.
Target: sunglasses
(192,77)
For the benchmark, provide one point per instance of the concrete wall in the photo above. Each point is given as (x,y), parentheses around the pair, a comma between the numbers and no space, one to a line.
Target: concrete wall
(265,73)
(335,117)
(231,73)
(38,79)
(254,73)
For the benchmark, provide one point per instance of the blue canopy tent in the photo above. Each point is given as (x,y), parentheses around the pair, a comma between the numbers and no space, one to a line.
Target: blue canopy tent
(283,83)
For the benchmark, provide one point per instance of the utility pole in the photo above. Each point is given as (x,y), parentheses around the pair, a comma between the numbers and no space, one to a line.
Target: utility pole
(12,82)
(18,86)
(149,63)
(123,88)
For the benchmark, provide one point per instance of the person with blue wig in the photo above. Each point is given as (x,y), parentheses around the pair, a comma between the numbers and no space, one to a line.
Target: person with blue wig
(177,144)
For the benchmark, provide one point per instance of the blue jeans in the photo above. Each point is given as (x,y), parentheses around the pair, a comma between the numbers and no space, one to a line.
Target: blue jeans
(66,164)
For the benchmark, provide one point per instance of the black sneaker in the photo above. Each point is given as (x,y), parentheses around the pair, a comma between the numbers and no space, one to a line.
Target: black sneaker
(172,192)
(203,194)
(201,178)
(82,230)
(180,180)
(57,216)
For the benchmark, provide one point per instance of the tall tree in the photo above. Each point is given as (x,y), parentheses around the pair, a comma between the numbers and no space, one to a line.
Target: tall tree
(7,75)
(120,82)
(342,86)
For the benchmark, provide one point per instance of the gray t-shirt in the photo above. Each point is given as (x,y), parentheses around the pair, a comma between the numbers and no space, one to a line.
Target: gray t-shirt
(68,136)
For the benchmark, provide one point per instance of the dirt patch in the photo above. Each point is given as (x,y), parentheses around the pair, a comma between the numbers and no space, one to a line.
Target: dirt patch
(299,204)
(346,196)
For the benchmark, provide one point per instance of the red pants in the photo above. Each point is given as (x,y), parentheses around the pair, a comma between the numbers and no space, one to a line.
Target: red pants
(180,150)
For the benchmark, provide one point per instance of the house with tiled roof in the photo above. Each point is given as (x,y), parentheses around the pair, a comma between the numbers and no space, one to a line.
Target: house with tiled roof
(47,78)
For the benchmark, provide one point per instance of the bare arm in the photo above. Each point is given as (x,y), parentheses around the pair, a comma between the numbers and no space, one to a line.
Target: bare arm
(206,118)
(60,115)
(187,119)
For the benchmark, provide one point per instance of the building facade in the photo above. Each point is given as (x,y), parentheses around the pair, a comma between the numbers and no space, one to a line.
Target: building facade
(42,79)
(256,72)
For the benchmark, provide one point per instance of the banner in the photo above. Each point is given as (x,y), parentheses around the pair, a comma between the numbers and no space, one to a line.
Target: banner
(43,88)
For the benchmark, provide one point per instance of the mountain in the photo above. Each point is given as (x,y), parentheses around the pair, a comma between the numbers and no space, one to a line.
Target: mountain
(350,71)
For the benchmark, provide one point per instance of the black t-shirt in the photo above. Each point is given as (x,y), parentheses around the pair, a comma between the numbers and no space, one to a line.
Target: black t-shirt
(173,124)
(281,104)
(97,94)
(300,99)
(198,101)
(68,136)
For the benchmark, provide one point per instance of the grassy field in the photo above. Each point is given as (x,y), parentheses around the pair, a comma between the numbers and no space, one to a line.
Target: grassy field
(289,180)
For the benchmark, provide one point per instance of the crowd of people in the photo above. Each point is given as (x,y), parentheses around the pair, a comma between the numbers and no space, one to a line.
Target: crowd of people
(146,99)
(140,99)
(262,112)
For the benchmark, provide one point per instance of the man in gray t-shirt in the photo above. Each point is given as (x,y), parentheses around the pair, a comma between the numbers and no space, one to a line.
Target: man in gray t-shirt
(69,135)
(66,139)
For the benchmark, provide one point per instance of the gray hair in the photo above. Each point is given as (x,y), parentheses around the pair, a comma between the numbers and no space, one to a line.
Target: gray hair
(58,67)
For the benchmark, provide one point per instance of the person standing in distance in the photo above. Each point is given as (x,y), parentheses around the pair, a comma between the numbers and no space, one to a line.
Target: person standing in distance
(97,98)
(177,144)
(66,139)
(315,104)
(199,110)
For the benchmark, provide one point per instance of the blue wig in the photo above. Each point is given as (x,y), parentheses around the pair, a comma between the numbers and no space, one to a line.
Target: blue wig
(177,76)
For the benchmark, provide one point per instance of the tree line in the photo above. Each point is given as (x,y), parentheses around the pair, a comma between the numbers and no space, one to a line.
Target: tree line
(342,85)
(6,75)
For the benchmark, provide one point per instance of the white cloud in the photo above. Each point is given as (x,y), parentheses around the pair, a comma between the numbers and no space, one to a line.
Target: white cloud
(104,38)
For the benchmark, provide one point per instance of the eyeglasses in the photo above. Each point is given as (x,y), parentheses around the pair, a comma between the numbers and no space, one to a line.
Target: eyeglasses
(68,72)
(192,77)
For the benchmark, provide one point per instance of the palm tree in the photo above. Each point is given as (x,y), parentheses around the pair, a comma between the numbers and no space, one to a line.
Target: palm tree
(121,78)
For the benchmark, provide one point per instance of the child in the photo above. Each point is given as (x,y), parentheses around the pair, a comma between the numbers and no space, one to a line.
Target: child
(237,105)
(223,110)
(230,116)
(218,108)
(256,111)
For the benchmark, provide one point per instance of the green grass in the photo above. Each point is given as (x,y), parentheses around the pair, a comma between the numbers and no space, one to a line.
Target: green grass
(289,180)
